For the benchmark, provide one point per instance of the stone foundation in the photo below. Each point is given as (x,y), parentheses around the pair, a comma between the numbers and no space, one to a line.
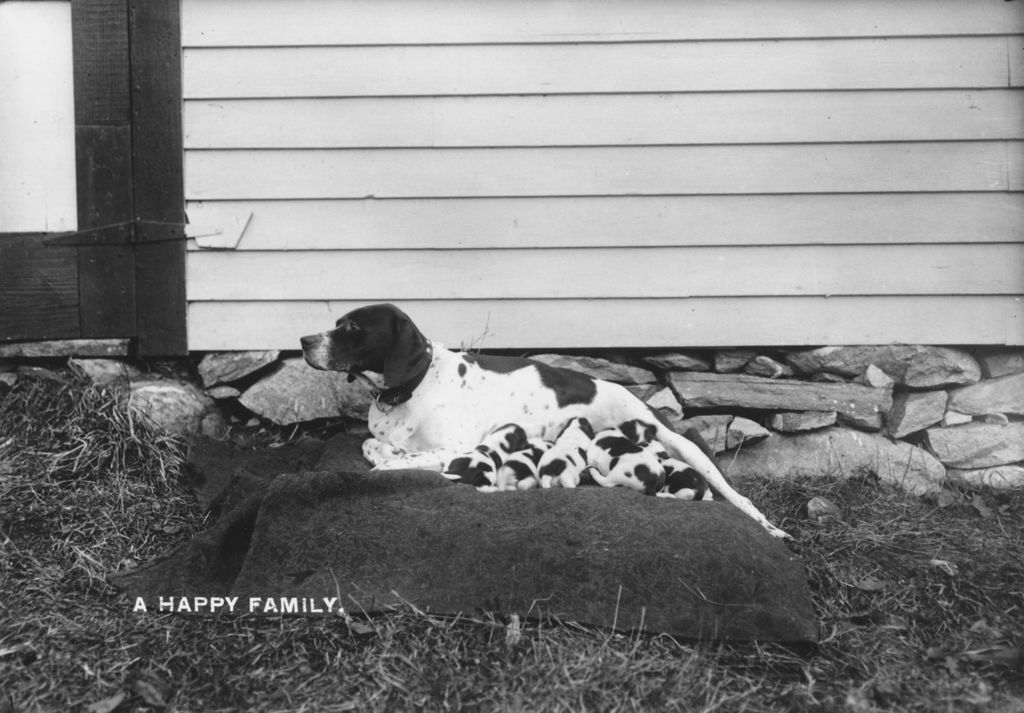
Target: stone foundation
(912,416)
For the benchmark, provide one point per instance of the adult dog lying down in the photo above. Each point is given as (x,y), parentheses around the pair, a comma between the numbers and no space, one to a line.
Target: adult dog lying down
(434,404)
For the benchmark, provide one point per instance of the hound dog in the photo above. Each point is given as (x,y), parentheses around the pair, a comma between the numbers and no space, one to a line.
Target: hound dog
(434,404)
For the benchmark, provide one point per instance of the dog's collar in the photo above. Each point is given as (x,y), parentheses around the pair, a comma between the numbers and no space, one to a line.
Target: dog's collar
(396,395)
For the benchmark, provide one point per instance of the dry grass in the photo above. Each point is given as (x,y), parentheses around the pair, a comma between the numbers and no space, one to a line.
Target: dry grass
(921,605)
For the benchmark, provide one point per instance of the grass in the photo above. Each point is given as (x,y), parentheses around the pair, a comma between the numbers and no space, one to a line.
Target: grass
(920,603)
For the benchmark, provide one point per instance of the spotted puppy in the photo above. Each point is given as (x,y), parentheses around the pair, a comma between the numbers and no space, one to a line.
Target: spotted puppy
(682,482)
(629,456)
(520,471)
(432,404)
(565,462)
(480,467)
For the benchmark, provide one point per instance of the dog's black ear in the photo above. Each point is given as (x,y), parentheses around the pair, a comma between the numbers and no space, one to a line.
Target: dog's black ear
(408,355)
(516,440)
(586,427)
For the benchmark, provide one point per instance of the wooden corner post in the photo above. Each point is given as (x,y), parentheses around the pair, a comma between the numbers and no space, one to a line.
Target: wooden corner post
(158,171)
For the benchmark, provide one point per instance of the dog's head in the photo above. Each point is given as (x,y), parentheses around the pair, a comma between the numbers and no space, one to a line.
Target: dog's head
(379,338)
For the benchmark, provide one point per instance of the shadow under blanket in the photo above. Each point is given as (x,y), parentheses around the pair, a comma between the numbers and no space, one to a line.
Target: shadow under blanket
(308,529)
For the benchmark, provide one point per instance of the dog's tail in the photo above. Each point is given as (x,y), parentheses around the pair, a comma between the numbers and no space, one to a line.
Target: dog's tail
(696,453)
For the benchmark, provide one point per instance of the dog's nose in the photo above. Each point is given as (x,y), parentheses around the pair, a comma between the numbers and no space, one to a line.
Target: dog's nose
(309,341)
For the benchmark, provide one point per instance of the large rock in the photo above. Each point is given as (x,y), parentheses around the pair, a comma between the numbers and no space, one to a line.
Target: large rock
(1000,477)
(225,367)
(104,372)
(172,406)
(297,392)
(723,432)
(839,453)
(599,368)
(913,366)
(914,411)
(1001,395)
(978,445)
(854,402)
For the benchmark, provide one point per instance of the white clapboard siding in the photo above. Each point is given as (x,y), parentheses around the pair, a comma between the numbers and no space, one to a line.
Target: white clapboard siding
(642,221)
(594,173)
(900,63)
(563,273)
(574,324)
(606,119)
(387,22)
(646,170)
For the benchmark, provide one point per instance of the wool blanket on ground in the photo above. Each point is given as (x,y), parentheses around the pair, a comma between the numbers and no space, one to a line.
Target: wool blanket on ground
(308,529)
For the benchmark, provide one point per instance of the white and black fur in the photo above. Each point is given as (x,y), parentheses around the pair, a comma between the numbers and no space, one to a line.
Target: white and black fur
(628,456)
(481,467)
(436,404)
(564,463)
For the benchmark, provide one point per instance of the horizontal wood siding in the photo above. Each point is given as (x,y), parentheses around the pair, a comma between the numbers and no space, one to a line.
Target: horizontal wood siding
(568,324)
(669,174)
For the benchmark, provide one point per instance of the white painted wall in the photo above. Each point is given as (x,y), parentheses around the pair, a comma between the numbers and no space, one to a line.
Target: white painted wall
(37,118)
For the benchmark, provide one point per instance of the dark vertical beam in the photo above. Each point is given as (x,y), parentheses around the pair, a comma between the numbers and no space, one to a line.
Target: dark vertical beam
(157,160)
(106,273)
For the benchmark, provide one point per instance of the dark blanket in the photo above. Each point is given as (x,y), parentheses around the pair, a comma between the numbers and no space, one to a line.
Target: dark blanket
(307,529)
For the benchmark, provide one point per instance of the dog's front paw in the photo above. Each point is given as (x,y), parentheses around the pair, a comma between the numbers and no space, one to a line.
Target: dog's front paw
(380,453)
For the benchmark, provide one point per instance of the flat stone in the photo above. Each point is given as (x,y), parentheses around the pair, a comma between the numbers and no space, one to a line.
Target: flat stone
(297,392)
(908,365)
(914,411)
(1000,477)
(664,401)
(599,368)
(800,421)
(978,445)
(226,367)
(743,430)
(66,347)
(105,372)
(1002,363)
(678,361)
(767,367)
(174,407)
(728,391)
(1004,394)
(839,453)
(730,360)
